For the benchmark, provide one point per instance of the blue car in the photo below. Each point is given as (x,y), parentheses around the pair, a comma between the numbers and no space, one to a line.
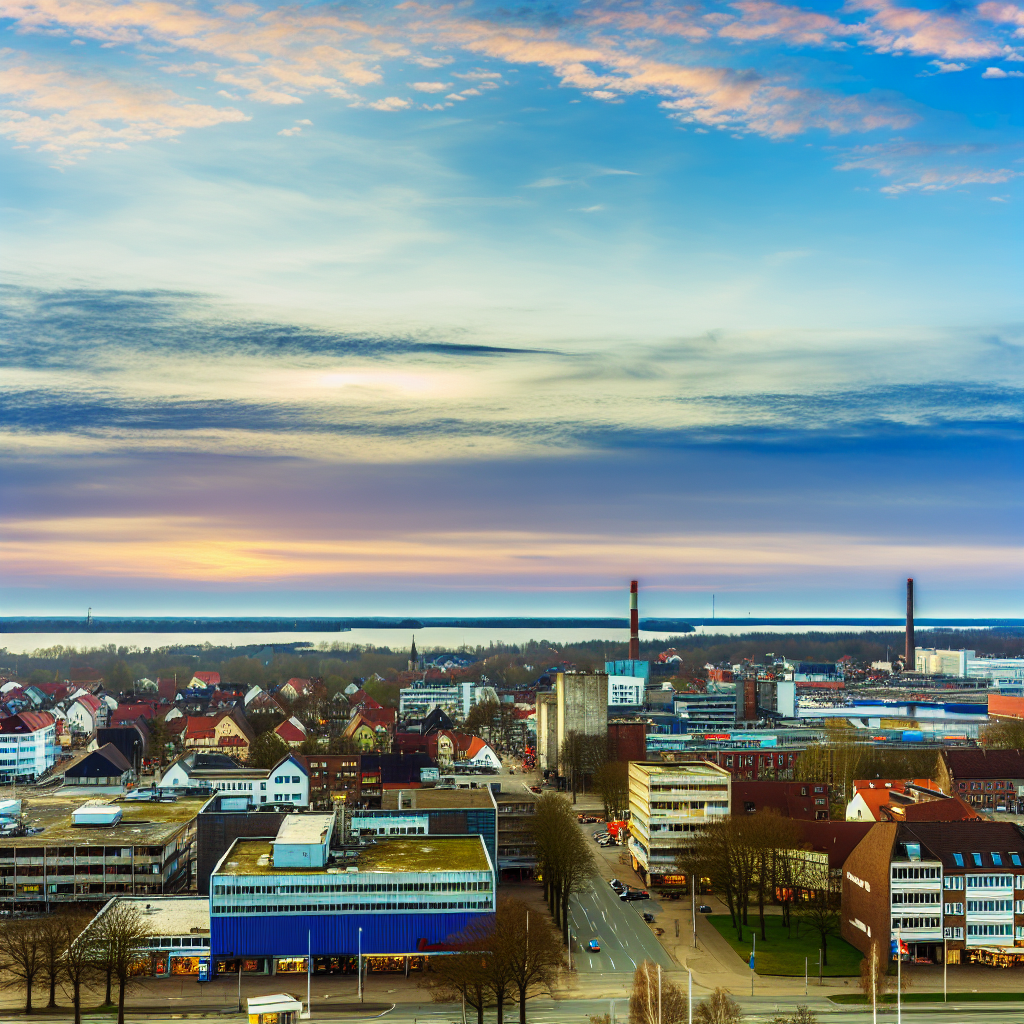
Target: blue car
(593,946)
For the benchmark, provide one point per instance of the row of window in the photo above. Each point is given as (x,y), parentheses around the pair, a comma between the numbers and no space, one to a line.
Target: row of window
(976,787)
(336,908)
(997,859)
(915,922)
(989,929)
(283,780)
(915,897)
(991,881)
(271,890)
(903,873)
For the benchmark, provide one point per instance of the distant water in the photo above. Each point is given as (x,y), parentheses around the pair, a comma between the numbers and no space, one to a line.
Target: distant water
(446,637)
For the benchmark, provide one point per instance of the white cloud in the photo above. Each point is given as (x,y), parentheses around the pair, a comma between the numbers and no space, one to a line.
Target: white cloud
(432,62)
(1000,73)
(390,103)
(430,86)
(946,68)
(470,92)
(290,131)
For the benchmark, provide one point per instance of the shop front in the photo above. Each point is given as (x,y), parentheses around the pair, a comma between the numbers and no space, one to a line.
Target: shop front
(249,965)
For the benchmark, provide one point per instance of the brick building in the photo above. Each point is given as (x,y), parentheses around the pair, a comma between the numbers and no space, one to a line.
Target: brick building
(962,882)
(990,779)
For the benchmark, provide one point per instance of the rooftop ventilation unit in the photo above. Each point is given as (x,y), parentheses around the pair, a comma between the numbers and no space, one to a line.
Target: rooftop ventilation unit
(96,816)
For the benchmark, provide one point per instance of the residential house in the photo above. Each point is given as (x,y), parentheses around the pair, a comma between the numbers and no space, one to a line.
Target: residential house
(989,779)
(292,731)
(227,731)
(205,679)
(286,783)
(296,688)
(86,713)
(128,713)
(167,689)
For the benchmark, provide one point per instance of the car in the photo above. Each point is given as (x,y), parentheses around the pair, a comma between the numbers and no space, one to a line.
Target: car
(593,946)
(634,894)
(704,909)
(617,885)
(649,918)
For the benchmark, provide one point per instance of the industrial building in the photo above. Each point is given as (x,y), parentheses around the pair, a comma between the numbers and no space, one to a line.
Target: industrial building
(274,901)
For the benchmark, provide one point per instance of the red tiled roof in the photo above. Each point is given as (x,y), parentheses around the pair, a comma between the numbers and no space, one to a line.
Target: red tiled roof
(950,809)
(290,732)
(54,690)
(232,741)
(129,712)
(980,763)
(362,697)
(89,701)
(210,678)
(200,728)
(27,721)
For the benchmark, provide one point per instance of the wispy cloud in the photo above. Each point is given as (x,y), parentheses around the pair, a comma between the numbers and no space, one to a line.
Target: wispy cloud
(67,114)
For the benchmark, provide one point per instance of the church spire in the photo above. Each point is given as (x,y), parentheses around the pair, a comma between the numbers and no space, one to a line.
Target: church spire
(413,658)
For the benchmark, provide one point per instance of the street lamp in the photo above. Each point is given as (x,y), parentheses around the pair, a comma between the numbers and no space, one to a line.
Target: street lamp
(359,964)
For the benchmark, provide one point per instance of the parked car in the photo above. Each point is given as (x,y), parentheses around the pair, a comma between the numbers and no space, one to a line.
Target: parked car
(617,885)
(635,894)
(649,918)
(704,909)
(535,789)
(593,946)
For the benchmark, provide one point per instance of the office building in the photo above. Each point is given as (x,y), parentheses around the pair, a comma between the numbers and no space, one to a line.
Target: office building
(286,783)
(669,804)
(28,745)
(89,851)
(960,882)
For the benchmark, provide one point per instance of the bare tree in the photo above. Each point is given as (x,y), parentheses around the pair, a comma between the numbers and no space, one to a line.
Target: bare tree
(80,957)
(611,780)
(21,956)
(461,976)
(718,1008)
(581,755)
(821,909)
(565,858)
(53,942)
(655,1000)
(802,1016)
(530,949)
(122,935)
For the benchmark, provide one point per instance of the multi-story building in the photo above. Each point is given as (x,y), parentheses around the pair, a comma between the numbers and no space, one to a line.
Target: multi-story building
(88,852)
(547,731)
(276,900)
(933,883)
(706,712)
(455,697)
(990,779)
(517,850)
(28,745)
(580,707)
(669,804)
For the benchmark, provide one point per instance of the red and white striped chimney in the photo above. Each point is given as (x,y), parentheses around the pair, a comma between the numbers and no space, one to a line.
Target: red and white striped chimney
(634,624)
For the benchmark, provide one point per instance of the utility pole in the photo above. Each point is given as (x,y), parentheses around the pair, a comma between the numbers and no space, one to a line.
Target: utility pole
(659,993)
(899,978)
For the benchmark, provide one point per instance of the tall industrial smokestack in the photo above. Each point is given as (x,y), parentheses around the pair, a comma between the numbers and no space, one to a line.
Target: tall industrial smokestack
(634,625)
(910,662)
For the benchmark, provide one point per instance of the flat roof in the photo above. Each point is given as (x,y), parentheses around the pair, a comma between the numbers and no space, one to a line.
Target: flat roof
(172,915)
(142,823)
(423,854)
(428,799)
(305,829)
(682,768)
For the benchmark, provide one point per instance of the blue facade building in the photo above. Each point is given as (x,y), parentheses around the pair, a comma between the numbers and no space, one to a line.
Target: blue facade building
(274,900)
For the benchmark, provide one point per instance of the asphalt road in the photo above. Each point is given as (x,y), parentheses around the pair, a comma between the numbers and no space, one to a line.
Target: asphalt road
(626,939)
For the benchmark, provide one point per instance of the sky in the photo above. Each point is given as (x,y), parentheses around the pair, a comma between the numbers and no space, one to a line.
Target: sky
(465,308)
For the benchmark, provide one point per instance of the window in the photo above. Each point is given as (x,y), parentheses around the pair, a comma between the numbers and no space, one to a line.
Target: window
(997,860)
(953,882)
(990,881)
(297,796)
(989,906)
(1020,882)
(958,859)
(263,786)
(989,929)
(952,933)
(1015,859)
(295,780)
(976,857)
(953,908)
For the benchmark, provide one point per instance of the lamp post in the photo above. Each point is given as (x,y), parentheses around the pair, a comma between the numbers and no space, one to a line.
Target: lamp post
(359,964)
(899,977)
(689,996)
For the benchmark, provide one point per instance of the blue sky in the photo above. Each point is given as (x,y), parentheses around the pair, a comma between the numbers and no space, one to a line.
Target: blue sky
(450,308)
